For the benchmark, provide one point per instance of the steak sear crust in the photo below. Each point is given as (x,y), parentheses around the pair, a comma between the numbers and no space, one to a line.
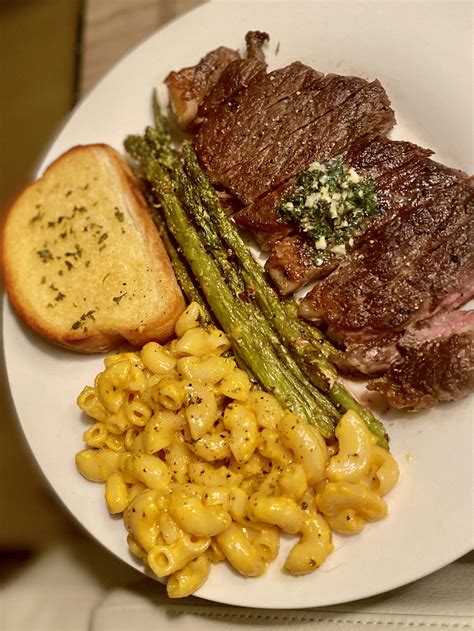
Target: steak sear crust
(432,370)
(389,297)
(282,122)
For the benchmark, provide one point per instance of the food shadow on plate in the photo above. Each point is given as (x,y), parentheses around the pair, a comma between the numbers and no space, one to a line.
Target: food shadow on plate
(40,344)
(59,353)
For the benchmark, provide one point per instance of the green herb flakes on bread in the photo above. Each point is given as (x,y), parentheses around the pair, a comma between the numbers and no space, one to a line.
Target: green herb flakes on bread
(84,264)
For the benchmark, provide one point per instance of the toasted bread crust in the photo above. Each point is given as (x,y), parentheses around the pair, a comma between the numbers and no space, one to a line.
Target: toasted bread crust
(96,338)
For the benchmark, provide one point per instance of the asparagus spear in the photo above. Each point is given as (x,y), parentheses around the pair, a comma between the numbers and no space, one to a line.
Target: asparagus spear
(308,344)
(192,202)
(310,353)
(231,273)
(251,342)
(296,331)
(183,276)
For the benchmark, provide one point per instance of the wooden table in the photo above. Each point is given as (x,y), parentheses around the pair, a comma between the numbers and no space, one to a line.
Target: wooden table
(113,27)
(110,28)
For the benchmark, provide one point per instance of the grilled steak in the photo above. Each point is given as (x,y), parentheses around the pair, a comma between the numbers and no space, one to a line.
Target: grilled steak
(427,263)
(262,220)
(236,75)
(294,262)
(436,364)
(376,356)
(196,90)
(188,87)
(369,358)
(387,296)
(282,122)
(388,163)
(382,156)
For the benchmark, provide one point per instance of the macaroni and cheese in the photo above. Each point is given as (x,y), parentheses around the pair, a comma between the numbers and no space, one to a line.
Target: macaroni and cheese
(205,467)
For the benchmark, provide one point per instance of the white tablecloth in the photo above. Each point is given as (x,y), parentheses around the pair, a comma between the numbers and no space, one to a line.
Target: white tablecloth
(75,585)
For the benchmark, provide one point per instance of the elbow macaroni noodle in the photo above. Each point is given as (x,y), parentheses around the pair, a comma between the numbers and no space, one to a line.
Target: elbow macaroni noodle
(206,468)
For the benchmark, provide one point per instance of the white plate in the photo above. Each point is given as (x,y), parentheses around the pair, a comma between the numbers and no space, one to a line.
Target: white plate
(421,55)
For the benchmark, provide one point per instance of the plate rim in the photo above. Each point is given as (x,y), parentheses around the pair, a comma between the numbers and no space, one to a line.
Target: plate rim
(8,311)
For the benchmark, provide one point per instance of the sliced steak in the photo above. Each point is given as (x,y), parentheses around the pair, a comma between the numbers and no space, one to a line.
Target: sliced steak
(294,262)
(436,364)
(236,76)
(369,358)
(261,219)
(383,160)
(247,116)
(443,325)
(382,156)
(282,122)
(375,356)
(218,76)
(188,87)
(390,164)
(391,300)
(411,266)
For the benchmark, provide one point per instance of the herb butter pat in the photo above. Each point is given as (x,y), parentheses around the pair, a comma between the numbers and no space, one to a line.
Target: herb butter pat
(331,203)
